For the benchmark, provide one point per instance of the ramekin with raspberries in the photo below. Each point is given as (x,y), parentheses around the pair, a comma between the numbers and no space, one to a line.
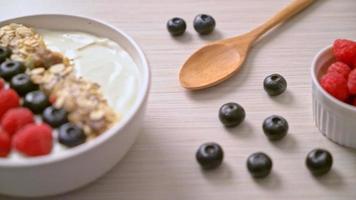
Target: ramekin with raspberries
(340,77)
(334,92)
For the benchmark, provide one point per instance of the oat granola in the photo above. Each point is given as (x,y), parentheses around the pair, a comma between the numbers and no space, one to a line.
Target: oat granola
(83,99)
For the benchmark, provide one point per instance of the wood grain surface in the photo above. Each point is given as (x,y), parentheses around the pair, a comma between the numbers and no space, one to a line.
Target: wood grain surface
(161,165)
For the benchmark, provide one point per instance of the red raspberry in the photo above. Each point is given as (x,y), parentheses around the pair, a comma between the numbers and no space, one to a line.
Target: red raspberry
(336,85)
(351,83)
(34,140)
(353,102)
(2,84)
(341,68)
(345,51)
(52,99)
(5,144)
(8,99)
(15,119)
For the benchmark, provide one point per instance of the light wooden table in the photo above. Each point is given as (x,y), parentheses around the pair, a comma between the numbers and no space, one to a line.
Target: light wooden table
(161,165)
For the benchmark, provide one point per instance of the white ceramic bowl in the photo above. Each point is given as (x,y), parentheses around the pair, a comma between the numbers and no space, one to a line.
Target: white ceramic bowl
(66,171)
(335,119)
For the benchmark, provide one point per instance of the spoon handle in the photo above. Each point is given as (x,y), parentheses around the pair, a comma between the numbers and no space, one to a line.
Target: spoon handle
(293,8)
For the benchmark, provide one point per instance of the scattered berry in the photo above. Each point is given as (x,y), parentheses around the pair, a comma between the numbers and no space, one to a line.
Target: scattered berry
(351,83)
(274,84)
(259,165)
(8,99)
(54,117)
(15,119)
(22,84)
(231,114)
(204,24)
(5,143)
(209,155)
(176,26)
(70,135)
(10,68)
(319,161)
(336,85)
(4,54)
(340,68)
(36,101)
(275,127)
(34,140)
(345,51)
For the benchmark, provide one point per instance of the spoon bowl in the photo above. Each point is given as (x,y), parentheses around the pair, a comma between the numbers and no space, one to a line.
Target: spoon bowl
(200,71)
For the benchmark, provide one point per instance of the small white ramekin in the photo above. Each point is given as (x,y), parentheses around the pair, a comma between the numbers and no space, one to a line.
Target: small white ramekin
(335,119)
(74,168)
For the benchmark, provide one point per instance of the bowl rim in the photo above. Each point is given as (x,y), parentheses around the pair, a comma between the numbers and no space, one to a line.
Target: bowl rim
(141,98)
(315,80)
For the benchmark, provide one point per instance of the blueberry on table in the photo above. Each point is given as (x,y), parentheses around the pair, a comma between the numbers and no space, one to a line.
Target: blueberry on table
(319,161)
(55,117)
(275,127)
(10,68)
(36,101)
(204,24)
(231,114)
(209,155)
(70,135)
(275,84)
(22,84)
(176,26)
(4,53)
(259,165)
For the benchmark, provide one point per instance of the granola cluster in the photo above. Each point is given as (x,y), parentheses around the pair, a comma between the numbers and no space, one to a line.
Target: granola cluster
(83,99)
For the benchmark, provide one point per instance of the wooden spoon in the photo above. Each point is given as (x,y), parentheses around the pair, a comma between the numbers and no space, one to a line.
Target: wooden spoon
(219,60)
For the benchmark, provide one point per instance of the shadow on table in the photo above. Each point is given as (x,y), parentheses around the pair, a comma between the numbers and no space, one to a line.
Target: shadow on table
(185,38)
(222,175)
(243,131)
(331,181)
(271,182)
(216,35)
(287,144)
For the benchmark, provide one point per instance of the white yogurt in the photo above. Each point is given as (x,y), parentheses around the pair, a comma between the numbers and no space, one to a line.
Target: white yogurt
(100,60)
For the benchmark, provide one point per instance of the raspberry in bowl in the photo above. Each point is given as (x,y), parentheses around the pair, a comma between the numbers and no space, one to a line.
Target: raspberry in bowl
(64,126)
(334,92)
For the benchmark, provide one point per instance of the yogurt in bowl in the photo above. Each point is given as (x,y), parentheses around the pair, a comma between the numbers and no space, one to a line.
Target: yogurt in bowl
(100,60)
(103,54)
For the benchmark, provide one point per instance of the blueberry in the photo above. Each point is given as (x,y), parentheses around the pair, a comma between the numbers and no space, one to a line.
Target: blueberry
(22,84)
(55,117)
(319,161)
(204,24)
(231,114)
(209,155)
(275,84)
(176,26)
(10,68)
(259,165)
(4,54)
(275,127)
(36,101)
(70,135)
